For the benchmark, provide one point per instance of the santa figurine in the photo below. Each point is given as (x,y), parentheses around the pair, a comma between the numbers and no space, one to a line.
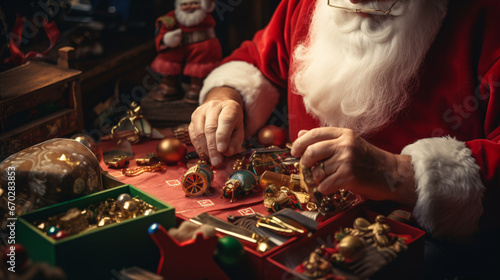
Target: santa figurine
(187,45)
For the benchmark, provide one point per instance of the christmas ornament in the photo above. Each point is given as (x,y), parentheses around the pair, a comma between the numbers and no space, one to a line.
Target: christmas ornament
(132,127)
(15,254)
(229,250)
(122,198)
(87,141)
(130,172)
(52,230)
(95,215)
(351,247)
(50,172)
(60,235)
(271,135)
(241,182)
(170,150)
(130,209)
(197,179)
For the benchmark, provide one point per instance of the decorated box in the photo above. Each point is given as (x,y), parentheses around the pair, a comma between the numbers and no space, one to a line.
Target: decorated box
(50,172)
(288,263)
(259,261)
(102,252)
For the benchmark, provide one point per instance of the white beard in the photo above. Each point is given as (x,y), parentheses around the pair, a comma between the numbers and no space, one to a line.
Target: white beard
(189,19)
(358,72)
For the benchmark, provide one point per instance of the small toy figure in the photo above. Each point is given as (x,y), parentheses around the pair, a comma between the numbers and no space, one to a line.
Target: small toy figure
(377,234)
(118,162)
(380,232)
(149,159)
(270,159)
(197,179)
(131,127)
(186,44)
(241,182)
(275,199)
(316,265)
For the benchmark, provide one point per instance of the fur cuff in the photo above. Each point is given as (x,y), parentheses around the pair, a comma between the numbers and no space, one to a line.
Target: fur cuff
(172,38)
(259,95)
(448,186)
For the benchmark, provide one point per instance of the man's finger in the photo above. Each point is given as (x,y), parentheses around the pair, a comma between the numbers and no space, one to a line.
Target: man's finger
(236,141)
(211,124)
(331,184)
(229,118)
(302,132)
(314,136)
(318,152)
(197,135)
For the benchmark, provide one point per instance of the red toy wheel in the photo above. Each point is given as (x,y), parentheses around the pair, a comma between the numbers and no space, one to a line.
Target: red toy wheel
(194,184)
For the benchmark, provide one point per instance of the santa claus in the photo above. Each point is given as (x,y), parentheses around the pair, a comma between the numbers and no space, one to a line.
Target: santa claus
(396,99)
(186,44)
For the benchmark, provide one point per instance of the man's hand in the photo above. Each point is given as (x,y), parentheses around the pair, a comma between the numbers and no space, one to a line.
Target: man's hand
(172,38)
(216,127)
(351,163)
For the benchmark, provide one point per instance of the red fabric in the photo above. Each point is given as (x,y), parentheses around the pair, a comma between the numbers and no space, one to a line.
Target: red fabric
(458,94)
(166,186)
(17,56)
(199,59)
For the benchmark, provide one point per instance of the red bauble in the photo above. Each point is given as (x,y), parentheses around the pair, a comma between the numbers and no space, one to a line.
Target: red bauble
(16,253)
(170,150)
(271,135)
(60,235)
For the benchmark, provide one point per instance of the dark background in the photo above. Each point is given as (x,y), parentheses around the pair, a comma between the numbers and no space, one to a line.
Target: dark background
(124,30)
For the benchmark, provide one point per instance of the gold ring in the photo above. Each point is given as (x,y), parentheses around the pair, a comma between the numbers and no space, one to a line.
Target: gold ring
(322,167)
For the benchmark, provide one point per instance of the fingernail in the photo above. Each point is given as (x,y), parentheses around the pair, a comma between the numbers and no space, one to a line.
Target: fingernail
(221,147)
(216,161)
(204,157)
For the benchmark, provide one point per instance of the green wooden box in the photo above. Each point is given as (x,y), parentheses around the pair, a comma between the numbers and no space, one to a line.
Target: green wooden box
(99,253)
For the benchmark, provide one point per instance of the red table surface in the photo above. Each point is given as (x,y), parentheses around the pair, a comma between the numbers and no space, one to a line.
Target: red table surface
(166,186)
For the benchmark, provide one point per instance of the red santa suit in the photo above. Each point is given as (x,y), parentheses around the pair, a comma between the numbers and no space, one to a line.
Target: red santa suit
(198,53)
(451,128)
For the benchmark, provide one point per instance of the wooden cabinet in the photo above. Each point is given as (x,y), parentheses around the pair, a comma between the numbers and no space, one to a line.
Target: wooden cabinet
(38,101)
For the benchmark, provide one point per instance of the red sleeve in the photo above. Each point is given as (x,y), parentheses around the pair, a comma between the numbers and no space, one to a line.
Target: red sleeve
(486,151)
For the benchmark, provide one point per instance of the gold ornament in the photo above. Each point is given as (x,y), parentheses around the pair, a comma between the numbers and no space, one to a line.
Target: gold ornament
(170,150)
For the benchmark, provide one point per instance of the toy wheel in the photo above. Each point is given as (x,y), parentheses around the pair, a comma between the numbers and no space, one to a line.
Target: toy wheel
(194,184)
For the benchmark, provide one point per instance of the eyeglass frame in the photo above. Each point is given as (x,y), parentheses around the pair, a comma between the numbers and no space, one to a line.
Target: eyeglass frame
(366,11)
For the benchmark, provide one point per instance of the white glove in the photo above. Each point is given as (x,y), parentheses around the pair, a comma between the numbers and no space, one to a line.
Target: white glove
(172,38)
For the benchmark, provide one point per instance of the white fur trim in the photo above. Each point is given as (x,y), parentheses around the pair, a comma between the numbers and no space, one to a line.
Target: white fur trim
(449,187)
(259,95)
(172,38)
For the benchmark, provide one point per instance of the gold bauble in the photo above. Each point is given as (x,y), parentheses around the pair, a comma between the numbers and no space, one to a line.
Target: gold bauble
(351,247)
(171,150)
(271,135)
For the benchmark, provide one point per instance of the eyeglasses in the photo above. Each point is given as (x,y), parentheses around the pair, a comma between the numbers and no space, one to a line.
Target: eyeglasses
(366,11)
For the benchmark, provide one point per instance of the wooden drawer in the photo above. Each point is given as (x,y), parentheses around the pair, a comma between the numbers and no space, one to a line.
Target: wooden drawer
(38,101)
